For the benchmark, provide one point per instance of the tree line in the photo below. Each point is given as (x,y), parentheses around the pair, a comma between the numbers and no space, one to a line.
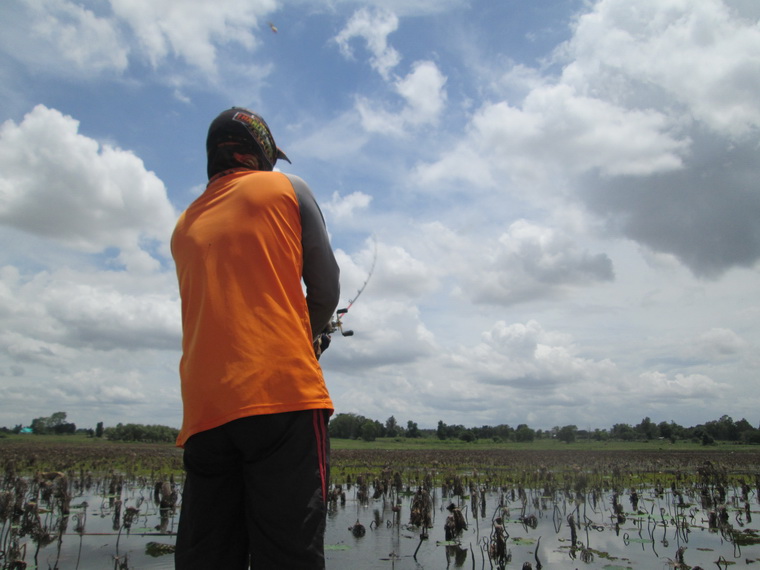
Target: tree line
(56,424)
(355,426)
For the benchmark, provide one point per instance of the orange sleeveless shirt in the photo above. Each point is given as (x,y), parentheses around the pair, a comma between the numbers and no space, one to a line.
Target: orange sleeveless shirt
(247,340)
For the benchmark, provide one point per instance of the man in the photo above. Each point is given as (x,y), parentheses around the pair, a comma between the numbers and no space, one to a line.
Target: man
(255,403)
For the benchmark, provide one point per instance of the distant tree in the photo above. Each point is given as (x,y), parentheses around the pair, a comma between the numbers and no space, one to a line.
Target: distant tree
(412,430)
(449,431)
(600,435)
(723,429)
(504,432)
(39,426)
(369,430)
(65,428)
(695,433)
(523,433)
(666,430)
(454,431)
(391,427)
(57,419)
(747,433)
(346,426)
(483,432)
(646,429)
(622,431)
(141,433)
(441,432)
(567,433)
(99,430)
(751,435)
(743,425)
(54,424)
(467,435)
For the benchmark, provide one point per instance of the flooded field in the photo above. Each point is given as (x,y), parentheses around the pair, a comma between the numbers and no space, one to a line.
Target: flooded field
(399,510)
(664,530)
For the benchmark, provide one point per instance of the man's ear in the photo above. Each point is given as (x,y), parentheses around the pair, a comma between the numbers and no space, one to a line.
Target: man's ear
(248,160)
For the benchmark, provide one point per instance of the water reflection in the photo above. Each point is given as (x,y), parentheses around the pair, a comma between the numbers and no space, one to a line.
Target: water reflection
(120,524)
(641,528)
(50,521)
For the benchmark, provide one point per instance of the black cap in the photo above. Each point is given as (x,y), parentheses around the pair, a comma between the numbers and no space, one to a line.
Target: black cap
(241,126)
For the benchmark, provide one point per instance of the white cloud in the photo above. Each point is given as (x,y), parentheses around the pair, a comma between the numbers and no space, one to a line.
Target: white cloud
(387,334)
(701,54)
(62,38)
(653,110)
(333,140)
(345,207)
(698,64)
(402,7)
(397,274)
(679,387)
(100,386)
(422,89)
(557,130)
(717,344)
(531,262)
(192,29)
(62,185)
(633,145)
(64,309)
(86,283)
(527,356)
(374,27)
(106,319)
(424,96)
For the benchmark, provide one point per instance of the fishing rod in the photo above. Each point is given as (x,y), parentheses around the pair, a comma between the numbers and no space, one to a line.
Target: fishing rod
(336,324)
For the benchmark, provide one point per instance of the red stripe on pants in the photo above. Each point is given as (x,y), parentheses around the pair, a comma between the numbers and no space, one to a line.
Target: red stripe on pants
(320,432)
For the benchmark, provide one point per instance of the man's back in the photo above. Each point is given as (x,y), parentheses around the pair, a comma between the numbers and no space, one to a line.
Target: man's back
(247,343)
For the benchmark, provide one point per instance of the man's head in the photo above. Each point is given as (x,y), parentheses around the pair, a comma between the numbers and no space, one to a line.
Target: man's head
(240,138)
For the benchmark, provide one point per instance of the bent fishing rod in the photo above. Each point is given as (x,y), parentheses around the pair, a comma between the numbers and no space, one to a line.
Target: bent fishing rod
(336,324)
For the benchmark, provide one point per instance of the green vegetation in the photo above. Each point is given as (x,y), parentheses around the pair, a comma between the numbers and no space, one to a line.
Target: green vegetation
(408,444)
(695,486)
(56,424)
(355,427)
(725,429)
(539,445)
(138,432)
(82,454)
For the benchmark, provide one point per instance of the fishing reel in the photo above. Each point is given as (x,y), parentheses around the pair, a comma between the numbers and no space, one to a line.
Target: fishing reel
(337,324)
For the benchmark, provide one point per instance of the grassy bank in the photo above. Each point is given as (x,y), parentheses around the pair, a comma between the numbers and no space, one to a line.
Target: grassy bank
(400,444)
(541,445)
(30,453)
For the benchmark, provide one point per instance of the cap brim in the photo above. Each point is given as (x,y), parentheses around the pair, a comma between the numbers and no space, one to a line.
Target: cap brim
(282,156)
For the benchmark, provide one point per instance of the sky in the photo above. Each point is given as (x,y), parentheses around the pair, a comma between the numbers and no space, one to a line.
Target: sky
(560,198)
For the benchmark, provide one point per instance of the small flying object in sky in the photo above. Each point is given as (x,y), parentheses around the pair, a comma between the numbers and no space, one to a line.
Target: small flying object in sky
(272,27)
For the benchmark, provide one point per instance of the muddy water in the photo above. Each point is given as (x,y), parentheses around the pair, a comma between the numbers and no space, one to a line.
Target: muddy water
(658,533)
(647,536)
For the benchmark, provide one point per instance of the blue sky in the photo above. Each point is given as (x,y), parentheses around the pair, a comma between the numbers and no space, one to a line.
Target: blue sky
(562,194)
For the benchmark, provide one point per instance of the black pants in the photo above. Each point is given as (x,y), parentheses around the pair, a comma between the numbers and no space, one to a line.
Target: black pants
(255,489)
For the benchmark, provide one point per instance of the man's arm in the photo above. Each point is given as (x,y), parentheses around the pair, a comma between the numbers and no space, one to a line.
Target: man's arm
(320,270)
